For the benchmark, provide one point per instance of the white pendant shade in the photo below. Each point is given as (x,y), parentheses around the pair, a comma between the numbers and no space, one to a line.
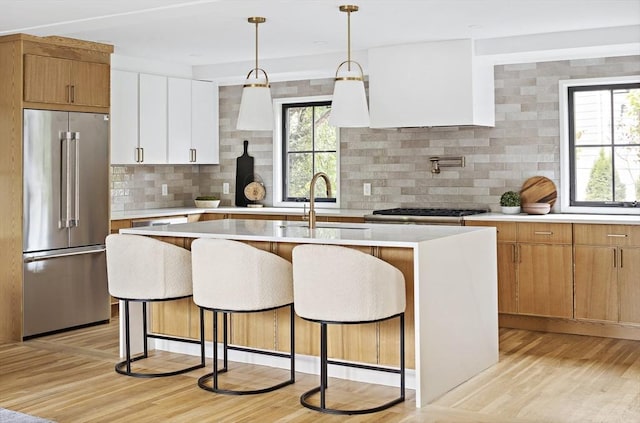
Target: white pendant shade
(256,108)
(349,105)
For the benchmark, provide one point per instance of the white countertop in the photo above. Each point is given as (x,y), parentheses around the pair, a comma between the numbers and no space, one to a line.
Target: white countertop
(368,234)
(620,219)
(175,211)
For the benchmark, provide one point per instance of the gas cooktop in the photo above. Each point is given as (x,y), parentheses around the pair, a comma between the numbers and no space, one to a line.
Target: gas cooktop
(432,216)
(428,212)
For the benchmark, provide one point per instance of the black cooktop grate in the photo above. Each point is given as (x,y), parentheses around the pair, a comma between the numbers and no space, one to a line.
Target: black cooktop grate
(428,212)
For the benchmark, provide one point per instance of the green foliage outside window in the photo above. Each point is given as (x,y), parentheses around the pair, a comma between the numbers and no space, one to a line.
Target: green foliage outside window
(310,146)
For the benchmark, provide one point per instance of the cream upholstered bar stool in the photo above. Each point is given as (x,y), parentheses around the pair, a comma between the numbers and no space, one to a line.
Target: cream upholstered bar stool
(143,269)
(339,285)
(234,277)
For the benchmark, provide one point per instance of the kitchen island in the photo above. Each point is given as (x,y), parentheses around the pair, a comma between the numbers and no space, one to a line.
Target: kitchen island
(451,286)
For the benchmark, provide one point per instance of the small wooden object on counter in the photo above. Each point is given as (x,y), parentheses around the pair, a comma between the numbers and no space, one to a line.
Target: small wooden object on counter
(538,189)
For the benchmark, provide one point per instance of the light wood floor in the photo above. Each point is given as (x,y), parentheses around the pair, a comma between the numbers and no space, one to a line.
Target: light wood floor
(540,378)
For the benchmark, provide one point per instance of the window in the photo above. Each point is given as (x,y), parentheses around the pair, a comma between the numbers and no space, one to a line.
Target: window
(603,146)
(306,144)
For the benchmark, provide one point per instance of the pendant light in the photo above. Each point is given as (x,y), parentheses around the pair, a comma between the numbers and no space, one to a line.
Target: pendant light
(349,105)
(256,108)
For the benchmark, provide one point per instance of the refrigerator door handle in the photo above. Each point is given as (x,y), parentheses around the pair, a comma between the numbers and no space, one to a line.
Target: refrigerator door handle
(76,182)
(65,181)
(47,255)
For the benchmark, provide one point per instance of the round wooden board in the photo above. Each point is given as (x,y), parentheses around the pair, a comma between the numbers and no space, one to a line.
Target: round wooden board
(254,191)
(538,189)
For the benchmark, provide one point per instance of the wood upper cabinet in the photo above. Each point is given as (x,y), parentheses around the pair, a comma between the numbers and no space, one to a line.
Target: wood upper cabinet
(55,80)
(607,269)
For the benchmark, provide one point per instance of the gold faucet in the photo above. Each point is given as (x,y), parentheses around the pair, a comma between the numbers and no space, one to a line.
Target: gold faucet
(312,212)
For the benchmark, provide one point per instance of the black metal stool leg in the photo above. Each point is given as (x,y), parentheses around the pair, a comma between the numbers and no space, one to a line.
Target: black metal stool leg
(127,332)
(203,381)
(324,361)
(124,367)
(292,347)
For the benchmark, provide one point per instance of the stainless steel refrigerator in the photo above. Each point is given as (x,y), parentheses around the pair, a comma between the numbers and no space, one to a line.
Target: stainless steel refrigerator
(65,220)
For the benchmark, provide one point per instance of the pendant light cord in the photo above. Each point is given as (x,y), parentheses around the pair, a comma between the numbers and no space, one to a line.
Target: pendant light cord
(257,23)
(349,41)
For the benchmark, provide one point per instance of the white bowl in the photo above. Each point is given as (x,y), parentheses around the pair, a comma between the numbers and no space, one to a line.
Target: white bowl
(207,204)
(536,208)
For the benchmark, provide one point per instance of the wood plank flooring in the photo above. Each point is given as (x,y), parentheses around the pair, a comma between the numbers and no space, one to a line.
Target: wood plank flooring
(541,377)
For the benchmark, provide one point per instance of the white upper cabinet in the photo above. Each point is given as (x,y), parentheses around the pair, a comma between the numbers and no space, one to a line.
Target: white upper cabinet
(162,120)
(204,122)
(124,117)
(153,119)
(430,84)
(179,120)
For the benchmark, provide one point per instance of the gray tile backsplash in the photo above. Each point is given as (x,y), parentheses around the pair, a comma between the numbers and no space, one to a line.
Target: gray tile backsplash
(523,143)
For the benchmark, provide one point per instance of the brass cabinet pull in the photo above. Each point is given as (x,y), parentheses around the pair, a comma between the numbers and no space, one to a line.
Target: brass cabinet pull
(617,235)
(73,94)
(195,155)
(615,258)
(621,262)
(543,233)
(141,154)
(513,253)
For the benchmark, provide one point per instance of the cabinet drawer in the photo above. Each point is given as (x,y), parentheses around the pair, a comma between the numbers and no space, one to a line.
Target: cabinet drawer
(505,231)
(609,235)
(545,233)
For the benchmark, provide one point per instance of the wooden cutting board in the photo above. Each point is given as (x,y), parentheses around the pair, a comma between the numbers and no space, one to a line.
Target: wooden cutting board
(538,189)
(244,175)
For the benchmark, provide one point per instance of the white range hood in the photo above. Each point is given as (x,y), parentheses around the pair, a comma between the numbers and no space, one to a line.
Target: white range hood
(430,84)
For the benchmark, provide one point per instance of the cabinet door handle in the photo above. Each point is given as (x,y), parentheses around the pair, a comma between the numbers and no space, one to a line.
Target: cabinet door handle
(621,261)
(195,155)
(617,235)
(136,156)
(513,253)
(543,233)
(73,94)
(141,154)
(615,258)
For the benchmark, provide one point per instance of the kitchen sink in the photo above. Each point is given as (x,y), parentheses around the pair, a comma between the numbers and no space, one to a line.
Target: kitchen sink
(320,226)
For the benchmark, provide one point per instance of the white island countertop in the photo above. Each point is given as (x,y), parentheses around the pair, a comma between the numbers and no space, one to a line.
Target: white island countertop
(369,234)
(454,286)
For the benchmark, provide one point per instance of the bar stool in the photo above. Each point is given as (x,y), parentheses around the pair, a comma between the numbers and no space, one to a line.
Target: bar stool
(234,277)
(143,269)
(339,285)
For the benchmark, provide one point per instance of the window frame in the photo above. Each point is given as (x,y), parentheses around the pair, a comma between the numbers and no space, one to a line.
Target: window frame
(567,148)
(279,152)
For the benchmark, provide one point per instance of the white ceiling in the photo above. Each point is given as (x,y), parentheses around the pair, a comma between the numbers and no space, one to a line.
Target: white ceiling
(216,32)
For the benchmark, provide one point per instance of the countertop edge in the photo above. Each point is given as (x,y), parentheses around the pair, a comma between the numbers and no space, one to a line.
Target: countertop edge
(497,217)
(558,218)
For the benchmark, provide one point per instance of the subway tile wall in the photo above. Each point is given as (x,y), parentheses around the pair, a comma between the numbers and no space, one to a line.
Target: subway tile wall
(524,142)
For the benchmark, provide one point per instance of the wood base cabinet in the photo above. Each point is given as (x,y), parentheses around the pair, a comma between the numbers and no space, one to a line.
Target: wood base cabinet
(534,268)
(607,269)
